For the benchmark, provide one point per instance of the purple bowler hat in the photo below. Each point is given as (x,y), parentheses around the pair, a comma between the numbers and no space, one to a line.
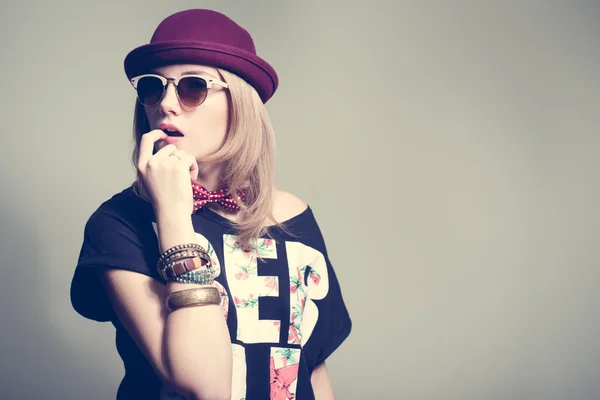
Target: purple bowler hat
(204,37)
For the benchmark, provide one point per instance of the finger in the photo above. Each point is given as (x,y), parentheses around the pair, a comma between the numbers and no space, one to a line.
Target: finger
(189,161)
(165,152)
(194,169)
(147,146)
(192,164)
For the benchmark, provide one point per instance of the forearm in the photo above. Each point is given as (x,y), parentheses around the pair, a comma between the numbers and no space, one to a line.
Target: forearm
(197,346)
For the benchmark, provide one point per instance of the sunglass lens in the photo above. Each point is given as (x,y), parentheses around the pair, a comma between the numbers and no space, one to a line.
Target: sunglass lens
(150,90)
(192,91)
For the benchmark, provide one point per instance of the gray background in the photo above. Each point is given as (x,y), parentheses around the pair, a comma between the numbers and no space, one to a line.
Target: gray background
(473,274)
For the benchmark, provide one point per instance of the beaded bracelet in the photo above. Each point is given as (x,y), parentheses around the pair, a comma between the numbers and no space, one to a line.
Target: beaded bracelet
(200,276)
(177,248)
(185,254)
(180,259)
(169,262)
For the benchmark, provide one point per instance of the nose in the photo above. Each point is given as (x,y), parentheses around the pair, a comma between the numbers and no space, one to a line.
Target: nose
(170,101)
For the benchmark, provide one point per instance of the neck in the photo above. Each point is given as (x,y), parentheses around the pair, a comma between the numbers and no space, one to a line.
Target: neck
(209,176)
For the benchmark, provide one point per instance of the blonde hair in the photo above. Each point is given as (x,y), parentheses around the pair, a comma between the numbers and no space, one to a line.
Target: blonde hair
(248,157)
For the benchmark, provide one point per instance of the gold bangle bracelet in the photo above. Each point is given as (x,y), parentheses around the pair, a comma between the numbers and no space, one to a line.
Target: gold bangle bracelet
(193,297)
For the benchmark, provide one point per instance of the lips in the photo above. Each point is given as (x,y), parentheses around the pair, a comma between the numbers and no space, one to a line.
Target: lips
(170,130)
(172,139)
(173,133)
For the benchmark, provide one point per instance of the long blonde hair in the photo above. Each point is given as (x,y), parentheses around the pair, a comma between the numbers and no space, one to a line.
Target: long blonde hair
(248,157)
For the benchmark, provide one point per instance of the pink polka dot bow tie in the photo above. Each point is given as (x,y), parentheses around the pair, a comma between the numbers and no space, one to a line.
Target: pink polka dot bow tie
(202,196)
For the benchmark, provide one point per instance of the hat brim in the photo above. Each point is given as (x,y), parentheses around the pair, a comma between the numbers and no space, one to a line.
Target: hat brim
(256,71)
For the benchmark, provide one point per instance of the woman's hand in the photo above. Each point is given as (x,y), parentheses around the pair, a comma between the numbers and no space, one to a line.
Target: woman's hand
(167,174)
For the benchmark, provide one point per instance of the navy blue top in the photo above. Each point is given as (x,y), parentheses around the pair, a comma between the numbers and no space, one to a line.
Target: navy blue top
(285,311)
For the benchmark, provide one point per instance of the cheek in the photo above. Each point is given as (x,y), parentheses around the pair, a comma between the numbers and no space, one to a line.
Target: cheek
(222,122)
(212,123)
(152,116)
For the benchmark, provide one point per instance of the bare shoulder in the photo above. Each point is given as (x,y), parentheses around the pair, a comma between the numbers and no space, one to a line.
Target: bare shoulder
(287,205)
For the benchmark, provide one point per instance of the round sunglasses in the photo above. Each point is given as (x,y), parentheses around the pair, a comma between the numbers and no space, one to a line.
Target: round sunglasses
(191,89)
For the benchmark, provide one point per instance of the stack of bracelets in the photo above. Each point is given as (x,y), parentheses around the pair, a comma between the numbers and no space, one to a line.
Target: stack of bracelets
(189,263)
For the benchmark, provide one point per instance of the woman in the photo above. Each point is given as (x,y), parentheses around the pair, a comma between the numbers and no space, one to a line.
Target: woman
(218,285)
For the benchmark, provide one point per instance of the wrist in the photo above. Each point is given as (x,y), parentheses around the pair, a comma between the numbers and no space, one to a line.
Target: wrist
(174,229)
(171,214)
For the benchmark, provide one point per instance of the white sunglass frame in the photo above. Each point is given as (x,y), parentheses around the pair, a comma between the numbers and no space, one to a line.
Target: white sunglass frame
(165,81)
